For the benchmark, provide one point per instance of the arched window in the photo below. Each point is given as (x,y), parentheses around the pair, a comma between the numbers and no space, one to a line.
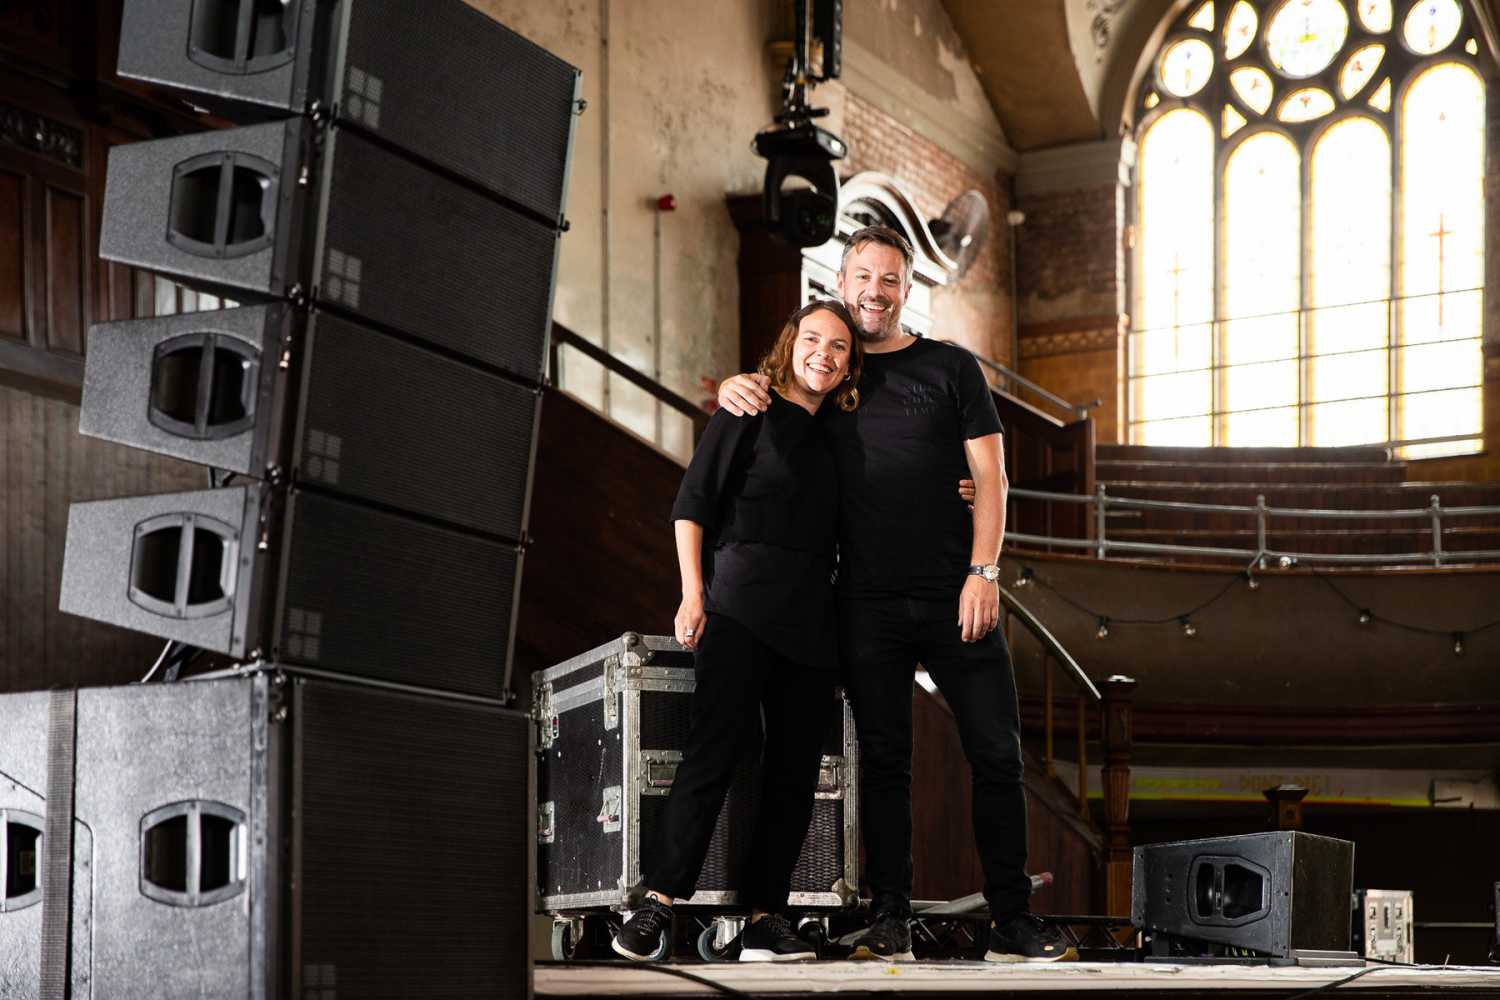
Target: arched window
(1309,208)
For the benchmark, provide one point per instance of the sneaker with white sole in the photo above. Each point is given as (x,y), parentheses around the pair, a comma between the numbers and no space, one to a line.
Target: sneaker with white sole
(644,934)
(772,939)
(1025,937)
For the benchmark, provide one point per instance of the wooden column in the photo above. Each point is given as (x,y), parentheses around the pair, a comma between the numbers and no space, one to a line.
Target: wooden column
(1118,710)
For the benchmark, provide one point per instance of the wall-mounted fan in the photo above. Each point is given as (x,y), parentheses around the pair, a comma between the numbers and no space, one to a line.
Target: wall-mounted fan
(963,228)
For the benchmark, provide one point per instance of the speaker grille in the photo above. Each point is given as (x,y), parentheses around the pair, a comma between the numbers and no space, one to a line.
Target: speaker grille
(406,427)
(419,253)
(487,103)
(415,845)
(395,599)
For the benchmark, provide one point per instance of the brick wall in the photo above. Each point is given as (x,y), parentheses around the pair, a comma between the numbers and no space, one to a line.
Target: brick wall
(1070,274)
(977,310)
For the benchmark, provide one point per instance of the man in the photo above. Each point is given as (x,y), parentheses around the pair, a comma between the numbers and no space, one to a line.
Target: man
(917,574)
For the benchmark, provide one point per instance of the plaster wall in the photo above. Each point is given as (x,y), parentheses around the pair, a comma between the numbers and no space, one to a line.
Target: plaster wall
(676,90)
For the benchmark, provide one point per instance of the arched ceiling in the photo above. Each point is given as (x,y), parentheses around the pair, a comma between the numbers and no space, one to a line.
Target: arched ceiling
(1059,72)
(1021,52)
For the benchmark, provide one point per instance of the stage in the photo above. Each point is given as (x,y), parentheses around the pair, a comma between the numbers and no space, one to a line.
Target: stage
(952,978)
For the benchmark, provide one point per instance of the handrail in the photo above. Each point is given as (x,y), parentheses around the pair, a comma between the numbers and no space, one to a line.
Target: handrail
(1053,652)
(1049,641)
(562,335)
(1078,410)
(1101,502)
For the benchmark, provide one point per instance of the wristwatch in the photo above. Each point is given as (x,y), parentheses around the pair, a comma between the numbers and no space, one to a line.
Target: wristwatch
(989,571)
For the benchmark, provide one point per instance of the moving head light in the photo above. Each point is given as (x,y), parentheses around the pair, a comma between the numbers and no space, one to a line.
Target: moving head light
(804,217)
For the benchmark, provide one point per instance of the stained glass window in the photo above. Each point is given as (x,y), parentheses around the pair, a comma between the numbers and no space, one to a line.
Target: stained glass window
(1239,29)
(1269,306)
(1305,104)
(1253,85)
(1358,69)
(1431,25)
(1304,36)
(1375,15)
(1185,67)
(1171,390)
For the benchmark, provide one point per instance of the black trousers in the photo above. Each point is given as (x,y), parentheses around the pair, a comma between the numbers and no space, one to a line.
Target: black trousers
(739,679)
(883,641)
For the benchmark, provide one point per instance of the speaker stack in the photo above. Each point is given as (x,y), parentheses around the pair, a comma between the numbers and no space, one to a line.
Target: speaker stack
(389,212)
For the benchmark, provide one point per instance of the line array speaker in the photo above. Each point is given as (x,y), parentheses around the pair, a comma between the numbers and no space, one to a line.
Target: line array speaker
(414,73)
(301,577)
(1282,895)
(275,392)
(288,209)
(309,838)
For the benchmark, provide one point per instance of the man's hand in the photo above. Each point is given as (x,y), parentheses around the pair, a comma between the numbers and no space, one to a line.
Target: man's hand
(690,621)
(978,608)
(745,395)
(966,492)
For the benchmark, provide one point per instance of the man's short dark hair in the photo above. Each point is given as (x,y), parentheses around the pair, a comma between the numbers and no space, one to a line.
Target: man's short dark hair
(885,236)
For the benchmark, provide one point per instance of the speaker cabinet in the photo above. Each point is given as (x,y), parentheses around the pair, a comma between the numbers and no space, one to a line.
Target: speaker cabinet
(502,116)
(276,836)
(23,818)
(274,392)
(300,577)
(289,209)
(1283,895)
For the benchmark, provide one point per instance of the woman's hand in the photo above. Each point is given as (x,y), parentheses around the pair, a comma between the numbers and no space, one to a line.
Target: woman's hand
(690,620)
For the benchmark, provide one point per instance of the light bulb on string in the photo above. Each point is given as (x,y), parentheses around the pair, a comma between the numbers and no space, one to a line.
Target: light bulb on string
(1458,644)
(1365,616)
(1024,580)
(1103,632)
(1188,628)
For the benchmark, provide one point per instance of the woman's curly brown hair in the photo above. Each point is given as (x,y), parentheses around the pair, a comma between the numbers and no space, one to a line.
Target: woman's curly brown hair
(777,364)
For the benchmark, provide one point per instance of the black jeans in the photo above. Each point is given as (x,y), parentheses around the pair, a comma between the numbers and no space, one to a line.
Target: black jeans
(738,679)
(883,641)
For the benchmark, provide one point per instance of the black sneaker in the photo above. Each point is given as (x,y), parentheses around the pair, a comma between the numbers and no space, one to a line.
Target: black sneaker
(888,939)
(771,939)
(1025,937)
(643,938)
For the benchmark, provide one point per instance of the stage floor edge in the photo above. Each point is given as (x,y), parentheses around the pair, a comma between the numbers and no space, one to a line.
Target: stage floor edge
(1056,980)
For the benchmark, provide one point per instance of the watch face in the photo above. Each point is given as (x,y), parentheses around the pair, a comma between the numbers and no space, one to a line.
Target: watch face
(992,573)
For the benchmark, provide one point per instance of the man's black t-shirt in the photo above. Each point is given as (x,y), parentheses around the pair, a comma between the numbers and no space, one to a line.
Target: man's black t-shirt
(904,530)
(766,492)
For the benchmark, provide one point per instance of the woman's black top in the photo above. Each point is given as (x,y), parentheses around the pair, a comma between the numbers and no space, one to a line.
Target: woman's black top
(765,489)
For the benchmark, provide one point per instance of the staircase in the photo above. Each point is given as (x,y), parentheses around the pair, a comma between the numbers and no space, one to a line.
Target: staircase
(1301,478)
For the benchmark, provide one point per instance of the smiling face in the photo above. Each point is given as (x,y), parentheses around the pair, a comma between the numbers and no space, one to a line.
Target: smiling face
(874,285)
(820,354)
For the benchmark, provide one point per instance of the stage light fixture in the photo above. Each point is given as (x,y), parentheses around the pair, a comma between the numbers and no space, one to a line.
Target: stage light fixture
(803,216)
(795,148)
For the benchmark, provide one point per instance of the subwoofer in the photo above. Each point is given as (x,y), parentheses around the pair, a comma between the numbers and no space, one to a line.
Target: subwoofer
(278,393)
(436,78)
(302,577)
(308,838)
(292,210)
(1282,895)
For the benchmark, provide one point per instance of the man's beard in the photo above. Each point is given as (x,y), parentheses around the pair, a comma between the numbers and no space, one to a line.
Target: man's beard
(888,325)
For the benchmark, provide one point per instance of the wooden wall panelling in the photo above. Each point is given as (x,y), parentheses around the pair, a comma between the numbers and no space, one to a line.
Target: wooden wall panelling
(46,465)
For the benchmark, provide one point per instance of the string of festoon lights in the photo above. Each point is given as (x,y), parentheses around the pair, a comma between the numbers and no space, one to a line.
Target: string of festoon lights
(1363,615)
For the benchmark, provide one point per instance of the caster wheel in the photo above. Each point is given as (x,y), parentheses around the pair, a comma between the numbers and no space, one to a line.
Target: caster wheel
(566,937)
(813,931)
(708,949)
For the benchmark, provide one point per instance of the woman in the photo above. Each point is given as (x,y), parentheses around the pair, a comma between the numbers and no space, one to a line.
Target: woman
(756,520)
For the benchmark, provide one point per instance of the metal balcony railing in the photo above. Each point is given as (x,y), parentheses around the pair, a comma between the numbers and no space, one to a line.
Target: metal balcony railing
(1433,515)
